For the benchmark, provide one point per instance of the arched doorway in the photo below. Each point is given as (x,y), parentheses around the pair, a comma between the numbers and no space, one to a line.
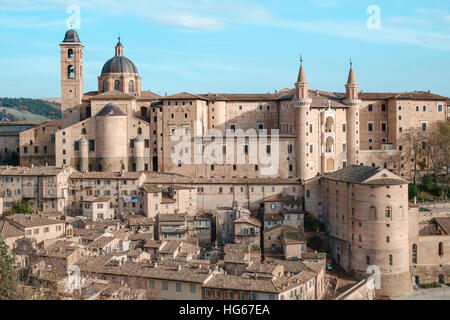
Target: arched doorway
(330,164)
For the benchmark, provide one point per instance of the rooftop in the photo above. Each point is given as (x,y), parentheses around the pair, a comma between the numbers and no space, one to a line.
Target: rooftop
(361,175)
(31,220)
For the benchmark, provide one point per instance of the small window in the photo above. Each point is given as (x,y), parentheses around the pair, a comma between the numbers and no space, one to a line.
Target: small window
(131,86)
(117,85)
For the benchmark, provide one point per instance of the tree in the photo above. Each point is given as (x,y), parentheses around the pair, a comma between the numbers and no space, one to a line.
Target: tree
(21,207)
(9,276)
(411,143)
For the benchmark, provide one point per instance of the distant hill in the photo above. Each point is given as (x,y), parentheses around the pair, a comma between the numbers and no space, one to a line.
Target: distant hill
(14,109)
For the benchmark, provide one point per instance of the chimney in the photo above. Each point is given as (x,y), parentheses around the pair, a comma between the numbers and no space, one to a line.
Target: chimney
(165,94)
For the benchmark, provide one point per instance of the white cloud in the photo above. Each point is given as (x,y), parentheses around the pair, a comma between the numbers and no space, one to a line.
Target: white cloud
(424,28)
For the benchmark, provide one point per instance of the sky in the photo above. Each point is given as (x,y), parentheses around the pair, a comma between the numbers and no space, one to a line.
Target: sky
(231,46)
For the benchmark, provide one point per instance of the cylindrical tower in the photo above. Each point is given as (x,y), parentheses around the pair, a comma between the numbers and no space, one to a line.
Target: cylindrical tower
(302,103)
(139,153)
(353,110)
(381,236)
(111,147)
(84,154)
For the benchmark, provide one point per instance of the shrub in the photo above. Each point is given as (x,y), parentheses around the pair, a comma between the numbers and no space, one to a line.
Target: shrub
(428,183)
(438,191)
(413,190)
(21,207)
(311,223)
(316,243)
(430,285)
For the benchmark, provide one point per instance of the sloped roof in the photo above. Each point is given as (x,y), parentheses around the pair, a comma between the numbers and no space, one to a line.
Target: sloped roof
(444,223)
(31,220)
(249,220)
(111,110)
(148,95)
(359,174)
(183,95)
(280,197)
(113,94)
(7,230)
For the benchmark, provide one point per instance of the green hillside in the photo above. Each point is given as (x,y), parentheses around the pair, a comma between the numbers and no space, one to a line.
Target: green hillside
(28,109)
(17,115)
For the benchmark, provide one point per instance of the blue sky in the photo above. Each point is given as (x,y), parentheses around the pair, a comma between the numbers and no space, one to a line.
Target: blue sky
(206,46)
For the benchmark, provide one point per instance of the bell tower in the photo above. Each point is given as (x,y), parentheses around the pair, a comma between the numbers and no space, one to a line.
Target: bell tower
(302,103)
(71,78)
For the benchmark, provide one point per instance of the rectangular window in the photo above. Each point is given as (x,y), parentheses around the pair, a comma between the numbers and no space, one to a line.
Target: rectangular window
(76,146)
(383,126)
(91,145)
(424,126)
(344,127)
(178,287)
(370,126)
(192,286)
(165,285)
(440,108)
(290,148)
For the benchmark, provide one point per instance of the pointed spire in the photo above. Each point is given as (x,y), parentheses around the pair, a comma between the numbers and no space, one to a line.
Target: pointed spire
(301,74)
(351,75)
(119,48)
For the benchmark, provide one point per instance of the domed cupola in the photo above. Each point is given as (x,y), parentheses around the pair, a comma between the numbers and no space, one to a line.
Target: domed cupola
(71,36)
(119,73)
(119,63)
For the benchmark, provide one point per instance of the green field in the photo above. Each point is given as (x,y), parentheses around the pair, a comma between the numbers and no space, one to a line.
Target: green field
(22,115)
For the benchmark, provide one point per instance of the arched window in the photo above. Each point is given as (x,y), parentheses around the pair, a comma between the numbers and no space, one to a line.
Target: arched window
(70,72)
(329,124)
(70,54)
(131,86)
(441,248)
(414,253)
(105,85)
(372,213)
(117,85)
(83,131)
(388,212)
(329,145)
(139,131)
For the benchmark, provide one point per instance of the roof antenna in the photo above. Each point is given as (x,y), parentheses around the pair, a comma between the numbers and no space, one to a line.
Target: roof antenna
(301,59)
(351,63)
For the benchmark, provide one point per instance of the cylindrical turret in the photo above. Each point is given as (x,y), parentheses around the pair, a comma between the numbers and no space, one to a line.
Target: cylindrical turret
(302,102)
(353,103)
(84,154)
(139,153)
(111,142)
